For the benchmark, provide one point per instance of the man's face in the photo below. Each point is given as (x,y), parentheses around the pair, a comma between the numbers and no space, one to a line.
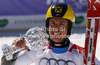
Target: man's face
(58,29)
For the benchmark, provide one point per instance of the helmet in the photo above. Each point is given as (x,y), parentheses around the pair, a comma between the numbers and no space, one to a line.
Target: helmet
(61,10)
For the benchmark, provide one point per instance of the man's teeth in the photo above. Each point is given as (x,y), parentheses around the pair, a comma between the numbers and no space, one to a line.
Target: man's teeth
(56,33)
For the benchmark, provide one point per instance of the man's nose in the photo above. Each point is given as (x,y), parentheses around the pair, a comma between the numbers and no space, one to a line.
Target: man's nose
(57,27)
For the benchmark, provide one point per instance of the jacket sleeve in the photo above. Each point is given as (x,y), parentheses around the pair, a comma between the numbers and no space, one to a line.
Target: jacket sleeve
(11,62)
(97,62)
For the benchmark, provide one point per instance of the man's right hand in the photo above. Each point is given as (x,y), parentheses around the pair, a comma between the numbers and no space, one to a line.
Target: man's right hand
(20,43)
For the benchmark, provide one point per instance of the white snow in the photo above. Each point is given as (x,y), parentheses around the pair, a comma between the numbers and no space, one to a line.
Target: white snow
(77,37)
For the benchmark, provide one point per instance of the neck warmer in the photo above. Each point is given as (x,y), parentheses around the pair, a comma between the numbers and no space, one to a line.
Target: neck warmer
(63,44)
(60,47)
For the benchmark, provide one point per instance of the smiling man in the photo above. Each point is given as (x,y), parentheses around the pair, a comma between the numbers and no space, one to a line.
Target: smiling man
(59,50)
(58,24)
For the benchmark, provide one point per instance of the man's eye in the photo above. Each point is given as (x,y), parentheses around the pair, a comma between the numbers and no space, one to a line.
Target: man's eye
(61,24)
(52,23)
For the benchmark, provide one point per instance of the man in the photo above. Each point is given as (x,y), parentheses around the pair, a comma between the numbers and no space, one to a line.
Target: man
(59,50)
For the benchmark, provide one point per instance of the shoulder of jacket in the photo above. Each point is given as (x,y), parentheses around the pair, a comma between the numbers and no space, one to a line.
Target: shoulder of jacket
(75,48)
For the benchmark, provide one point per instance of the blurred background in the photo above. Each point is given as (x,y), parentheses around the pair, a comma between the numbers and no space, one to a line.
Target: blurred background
(24,14)
(17,16)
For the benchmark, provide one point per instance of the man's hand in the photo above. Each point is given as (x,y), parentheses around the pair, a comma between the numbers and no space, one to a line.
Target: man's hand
(20,43)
